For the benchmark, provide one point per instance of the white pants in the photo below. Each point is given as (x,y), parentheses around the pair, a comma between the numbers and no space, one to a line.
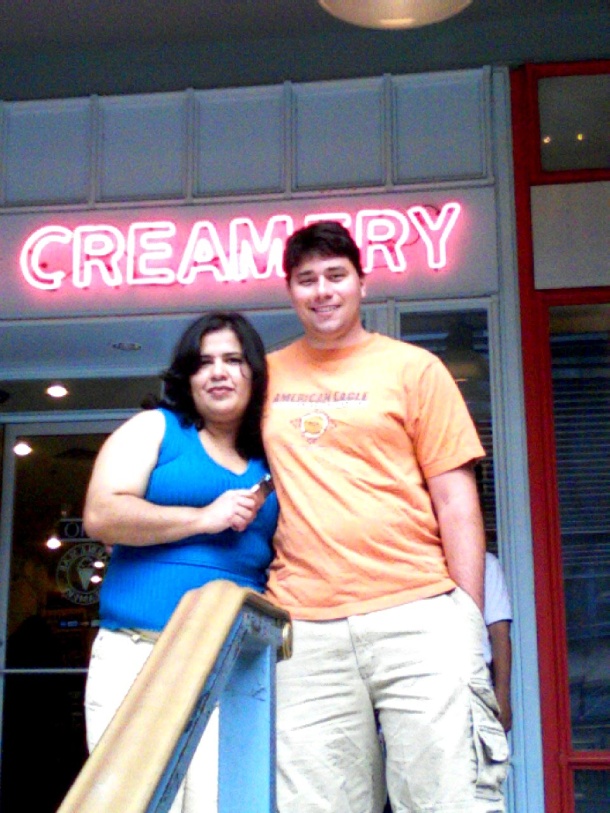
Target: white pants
(116,661)
(420,667)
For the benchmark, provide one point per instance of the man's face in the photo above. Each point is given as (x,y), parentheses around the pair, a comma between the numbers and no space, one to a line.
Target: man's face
(326,293)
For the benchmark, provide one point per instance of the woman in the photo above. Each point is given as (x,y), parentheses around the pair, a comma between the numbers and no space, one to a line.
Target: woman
(172,493)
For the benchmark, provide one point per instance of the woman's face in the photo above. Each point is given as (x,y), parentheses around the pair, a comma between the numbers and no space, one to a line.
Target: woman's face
(221,387)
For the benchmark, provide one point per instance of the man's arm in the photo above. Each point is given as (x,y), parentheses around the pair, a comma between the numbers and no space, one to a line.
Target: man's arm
(501,655)
(458,511)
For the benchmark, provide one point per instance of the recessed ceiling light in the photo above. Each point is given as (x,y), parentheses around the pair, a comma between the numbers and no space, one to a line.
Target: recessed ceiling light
(128,347)
(22,448)
(56,391)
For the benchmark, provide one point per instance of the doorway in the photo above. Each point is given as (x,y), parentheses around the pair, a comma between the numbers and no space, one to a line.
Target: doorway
(49,597)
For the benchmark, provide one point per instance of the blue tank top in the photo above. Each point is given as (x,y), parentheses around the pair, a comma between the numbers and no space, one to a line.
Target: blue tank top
(143,585)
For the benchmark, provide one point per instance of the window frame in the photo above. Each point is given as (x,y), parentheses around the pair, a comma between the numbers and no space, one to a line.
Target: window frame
(560,759)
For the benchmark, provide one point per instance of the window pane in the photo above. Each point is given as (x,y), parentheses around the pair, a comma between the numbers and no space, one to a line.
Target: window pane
(592,791)
(580,349)
(575,122)
(54,586)
(461,340)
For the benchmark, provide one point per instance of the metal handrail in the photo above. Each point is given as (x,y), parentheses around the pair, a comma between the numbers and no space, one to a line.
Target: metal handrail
(221,637)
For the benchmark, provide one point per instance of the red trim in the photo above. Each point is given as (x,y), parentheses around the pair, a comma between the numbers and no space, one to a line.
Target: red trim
(536,373)
(574,296)
(589,761)
(569,176)
(587,68)
(559,759)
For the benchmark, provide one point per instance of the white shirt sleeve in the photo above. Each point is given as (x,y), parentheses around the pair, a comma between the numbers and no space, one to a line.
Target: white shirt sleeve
(497,600)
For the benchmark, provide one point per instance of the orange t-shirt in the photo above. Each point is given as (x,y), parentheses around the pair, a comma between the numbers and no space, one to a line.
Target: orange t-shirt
(351,436)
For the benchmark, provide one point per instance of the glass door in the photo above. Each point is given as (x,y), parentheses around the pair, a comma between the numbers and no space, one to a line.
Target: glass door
(51,575)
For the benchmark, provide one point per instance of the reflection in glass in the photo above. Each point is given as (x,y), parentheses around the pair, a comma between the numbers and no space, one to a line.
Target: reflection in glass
(461,340)
(592,791)
(580,350)
(575,122)
(54,592)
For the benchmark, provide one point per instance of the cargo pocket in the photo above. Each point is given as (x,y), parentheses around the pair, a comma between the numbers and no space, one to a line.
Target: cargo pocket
(491,746)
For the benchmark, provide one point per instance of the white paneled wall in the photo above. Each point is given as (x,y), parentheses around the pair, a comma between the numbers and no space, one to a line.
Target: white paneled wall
(142,146)
(240,141)
(339,134)
(47,152)
(440,127)
(285,139)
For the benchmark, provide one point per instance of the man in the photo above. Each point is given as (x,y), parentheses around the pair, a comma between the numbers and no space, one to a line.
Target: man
(379,559)
(497,645)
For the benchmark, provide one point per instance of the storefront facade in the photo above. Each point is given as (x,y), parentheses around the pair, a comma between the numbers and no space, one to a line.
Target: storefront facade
(139,212)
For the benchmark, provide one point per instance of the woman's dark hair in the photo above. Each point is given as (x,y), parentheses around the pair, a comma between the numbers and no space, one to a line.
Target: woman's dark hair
(326,238)
(187,360)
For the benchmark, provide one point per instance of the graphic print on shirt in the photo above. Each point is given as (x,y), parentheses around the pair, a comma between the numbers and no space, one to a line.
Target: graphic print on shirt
(314,424)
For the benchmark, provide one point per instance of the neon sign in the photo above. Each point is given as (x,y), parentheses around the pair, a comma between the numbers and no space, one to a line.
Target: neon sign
(155,252)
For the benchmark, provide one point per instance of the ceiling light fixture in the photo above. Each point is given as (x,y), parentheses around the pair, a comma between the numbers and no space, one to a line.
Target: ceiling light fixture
(56,391)
(393,14)
(22,448)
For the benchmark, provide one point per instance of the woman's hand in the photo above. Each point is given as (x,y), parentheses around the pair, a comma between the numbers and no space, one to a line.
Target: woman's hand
(234,509)
(116,511)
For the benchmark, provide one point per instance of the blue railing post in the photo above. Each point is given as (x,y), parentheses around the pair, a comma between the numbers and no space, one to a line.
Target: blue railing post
(247,736)
(242,682)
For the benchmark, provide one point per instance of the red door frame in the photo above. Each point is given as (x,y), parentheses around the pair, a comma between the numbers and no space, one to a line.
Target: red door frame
(559,758)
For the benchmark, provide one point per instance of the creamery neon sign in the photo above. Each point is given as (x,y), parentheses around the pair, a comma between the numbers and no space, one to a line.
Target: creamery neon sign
(157,252)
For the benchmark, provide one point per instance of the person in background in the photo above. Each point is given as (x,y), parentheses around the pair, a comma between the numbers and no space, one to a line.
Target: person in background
(173,491)
(497,644)
(379,558)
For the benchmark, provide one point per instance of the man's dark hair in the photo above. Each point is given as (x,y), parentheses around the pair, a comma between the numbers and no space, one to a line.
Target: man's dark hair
(186,361)
(327,238)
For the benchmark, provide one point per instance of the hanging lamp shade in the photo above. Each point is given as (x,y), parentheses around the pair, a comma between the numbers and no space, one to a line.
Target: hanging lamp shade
(393,14)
